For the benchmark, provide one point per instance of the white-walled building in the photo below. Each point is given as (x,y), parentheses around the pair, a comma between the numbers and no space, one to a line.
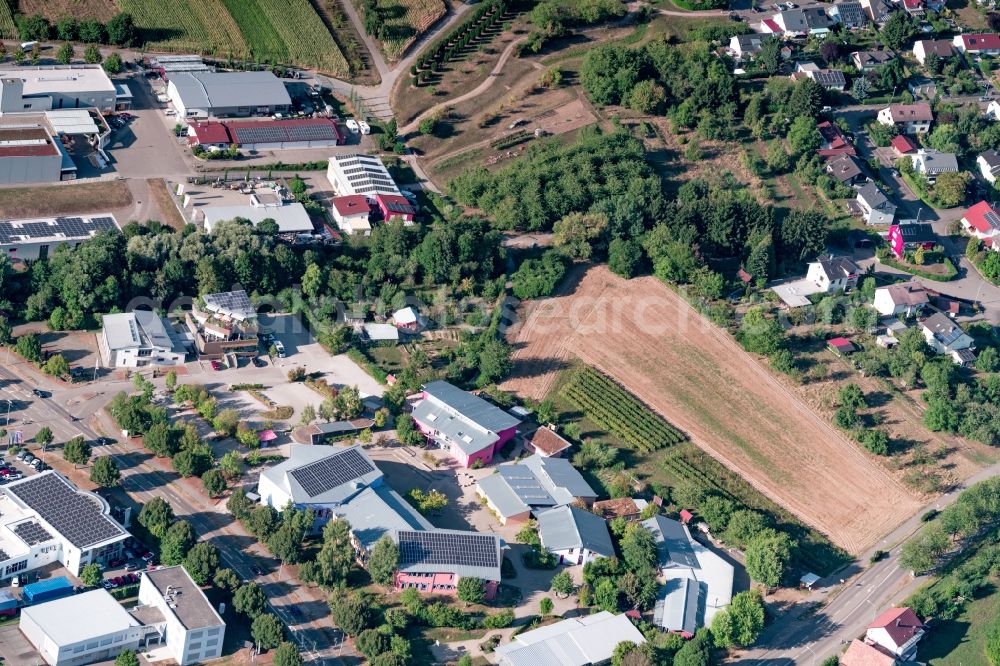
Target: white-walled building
(908,118)
(139,339)
(904,299)
(56,87)
(88,627)
(351,213)
(876,208)
(38,238)
(576,536)
(223,94)
(833,274)
(945,336)
(359,174)
(194,630)
(989,165)
(898,631)
(45,519)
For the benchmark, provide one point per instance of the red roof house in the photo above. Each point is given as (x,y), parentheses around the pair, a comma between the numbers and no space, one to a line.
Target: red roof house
(903,145)
(981,221)
(546,442)
(834,141)
(771,26)
(860,653)
(897,630)
(209,134)
(351,214)
(395,205)
(841,345)
(686,516)
(983,43)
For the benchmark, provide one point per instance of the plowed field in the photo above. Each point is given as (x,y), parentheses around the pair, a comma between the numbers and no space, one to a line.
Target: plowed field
(647,338)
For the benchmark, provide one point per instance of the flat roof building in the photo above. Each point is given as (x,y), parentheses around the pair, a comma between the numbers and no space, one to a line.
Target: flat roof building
(223,323)
(360,174)
(56,87)
(45,519)
(139,339)
(58,632)
(37,238)
(290,217)
(578,641)
(194,630)
(202,94)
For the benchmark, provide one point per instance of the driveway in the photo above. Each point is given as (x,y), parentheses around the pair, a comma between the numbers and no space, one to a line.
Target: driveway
(146,148)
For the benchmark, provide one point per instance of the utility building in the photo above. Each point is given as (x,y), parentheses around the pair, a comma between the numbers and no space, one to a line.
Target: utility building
(221,94)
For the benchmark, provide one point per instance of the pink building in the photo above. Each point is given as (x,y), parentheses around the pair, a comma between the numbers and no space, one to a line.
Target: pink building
(395,205)
(432,562)
(468,427)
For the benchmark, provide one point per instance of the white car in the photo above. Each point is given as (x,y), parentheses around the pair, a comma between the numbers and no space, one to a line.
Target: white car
(364,127)
(352,125)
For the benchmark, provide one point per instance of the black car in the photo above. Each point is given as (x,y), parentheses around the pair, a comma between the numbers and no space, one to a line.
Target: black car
(40,393)
(257,571)
(259,362)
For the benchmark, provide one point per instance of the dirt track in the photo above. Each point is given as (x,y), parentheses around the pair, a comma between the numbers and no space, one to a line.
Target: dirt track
(650,340)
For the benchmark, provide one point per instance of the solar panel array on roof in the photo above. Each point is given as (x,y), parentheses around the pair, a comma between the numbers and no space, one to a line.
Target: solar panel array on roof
(31,533)
(993,218)
(399,207)
(448,548)
(268,133)
(19,231)
(323,475)
(71,514)
(231,302)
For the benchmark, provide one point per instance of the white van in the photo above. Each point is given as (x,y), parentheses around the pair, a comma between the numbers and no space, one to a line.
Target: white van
(28,46)
(280,348)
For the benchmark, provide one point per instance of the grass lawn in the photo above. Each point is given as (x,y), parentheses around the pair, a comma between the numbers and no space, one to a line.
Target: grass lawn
(960,642)
(21,202)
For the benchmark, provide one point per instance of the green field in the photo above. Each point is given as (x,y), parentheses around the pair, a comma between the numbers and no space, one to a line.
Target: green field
(284,32)
(7,27)
(961,641)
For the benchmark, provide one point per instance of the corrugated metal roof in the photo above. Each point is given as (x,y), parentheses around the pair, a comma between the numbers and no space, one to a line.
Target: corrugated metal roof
(220,90)
(569,527)
(673,542)
(578,641)
(485,414)
(565,483)
(375,512)
(677,605)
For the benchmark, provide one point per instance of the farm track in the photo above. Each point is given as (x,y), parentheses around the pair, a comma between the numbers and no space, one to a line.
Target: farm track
(648,339)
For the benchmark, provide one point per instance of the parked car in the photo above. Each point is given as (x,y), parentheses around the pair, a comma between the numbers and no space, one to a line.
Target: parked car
(117,562)
(16,476)
(38,464)
(148,556)
(40,393)
(21,454)
(257,571)
(131,566)
(280,348)
(364,127)
(28,459)
(352,125)
(216,366)
(259,362)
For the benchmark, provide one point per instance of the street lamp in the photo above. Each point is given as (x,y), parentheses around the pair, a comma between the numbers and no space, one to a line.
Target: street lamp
(7,422)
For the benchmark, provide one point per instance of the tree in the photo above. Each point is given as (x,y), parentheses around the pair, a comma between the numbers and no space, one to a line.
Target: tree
(578,234)
(35,28)
(897,30)
(624,257)
(767,557)
(65,53)
(545,606)
(851,395)
(127,658)
(160,440)
(988,360)
(239,504)
(372,643)
(777,158)
(830,51)
(177,543)
(156,516)
(471,590)
(226,422)
(44,436)
(638,548)
(741,622)
(562,584)
(90,575)
(267,631)
(121,30)
(287,655)
(201,562)
(697,651)
(226,579)
(606,595)
(105,472)
(383,561)
(92,55)
(352,612)
(76,451)
(250,600)
(214,482)
(29,347)
(113,65)
(806,99)
(170,381)
(648,96)
(861,88)
(803,136)
(308,415)
(231,465)
(428,125)
(769,56)
(92,32)
(760,334)
(950,188)
(262,521)
(803,235)
(428,502)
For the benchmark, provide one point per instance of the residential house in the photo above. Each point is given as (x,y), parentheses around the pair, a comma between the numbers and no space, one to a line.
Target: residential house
(351,213)
(699,582)
(942,48)
(846,170)
(467,426)
(139,339)
(627,508)
(945,336)
(833,273)
(803,22)
(875,206)
(993,110)
(434,561)
(866,61)
(578,641)
(223,323)
(546,442)
(536,483)
(931,163)
(744,47)
(849,14)
(878,10)
(982,222)
(830,79)
(860,653)
(908,118)
(910,236)
(902,145)
(834,141)
(905,299)
(409,319)
(985,44)
(989,165)
(396,207)
(897,630)
(915,8)
(576,536)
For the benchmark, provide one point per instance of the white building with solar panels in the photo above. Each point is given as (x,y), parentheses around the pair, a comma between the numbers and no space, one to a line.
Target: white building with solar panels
(139,339)
(359,174)
(38,238)
(45,519)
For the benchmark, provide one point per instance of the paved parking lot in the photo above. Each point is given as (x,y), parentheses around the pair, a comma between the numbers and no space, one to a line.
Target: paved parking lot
(15,648)
(146,148)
